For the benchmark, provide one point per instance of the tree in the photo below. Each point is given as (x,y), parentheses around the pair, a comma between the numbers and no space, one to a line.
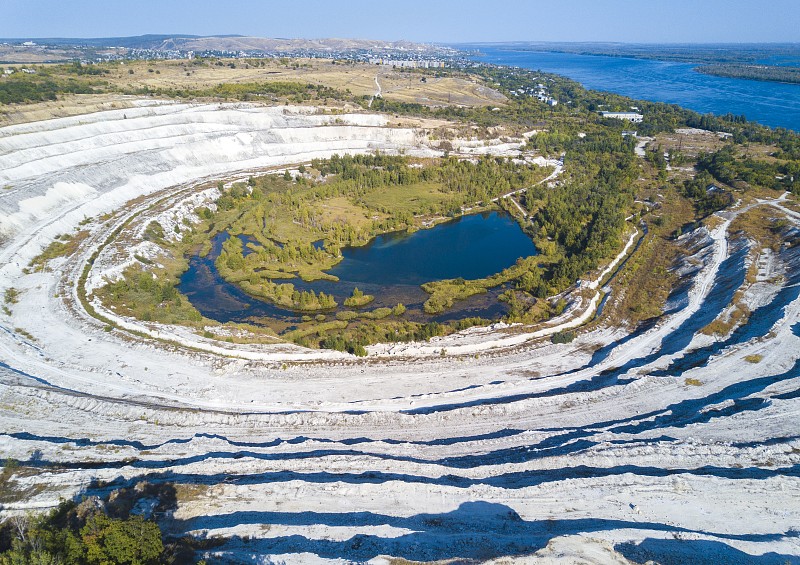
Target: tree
(133,541)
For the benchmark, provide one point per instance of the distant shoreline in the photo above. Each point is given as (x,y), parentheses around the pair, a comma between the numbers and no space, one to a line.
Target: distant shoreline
(701,54)
(764,73)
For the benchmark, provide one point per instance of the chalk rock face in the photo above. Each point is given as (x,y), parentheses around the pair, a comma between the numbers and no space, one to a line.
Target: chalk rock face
(58,165)
(663,444)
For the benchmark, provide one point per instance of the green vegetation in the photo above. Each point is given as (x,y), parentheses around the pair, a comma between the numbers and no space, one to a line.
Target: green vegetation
(151,296)
(445,293)
(707,197)
(280,228)
(80,535)
(351,200)
(270,91)
(11,295)
(22,87)
(63,246)
(743,171)
(766,73)
(563,337)
(358,299)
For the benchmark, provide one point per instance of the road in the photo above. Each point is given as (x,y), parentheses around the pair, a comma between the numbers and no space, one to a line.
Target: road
(559,169)
(377,92)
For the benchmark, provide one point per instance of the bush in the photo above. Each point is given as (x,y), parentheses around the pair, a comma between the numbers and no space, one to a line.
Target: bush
(65,536)
(563,337)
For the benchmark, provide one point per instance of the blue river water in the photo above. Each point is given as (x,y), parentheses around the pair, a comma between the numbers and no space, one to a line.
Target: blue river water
(768,103)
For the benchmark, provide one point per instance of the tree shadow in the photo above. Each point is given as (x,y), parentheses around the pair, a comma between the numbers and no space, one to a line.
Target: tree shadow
(474,532)
(680,552)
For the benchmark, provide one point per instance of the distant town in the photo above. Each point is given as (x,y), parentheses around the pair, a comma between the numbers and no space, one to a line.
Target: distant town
(399,55)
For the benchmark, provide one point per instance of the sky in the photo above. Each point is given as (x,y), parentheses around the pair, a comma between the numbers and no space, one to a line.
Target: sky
(440,21)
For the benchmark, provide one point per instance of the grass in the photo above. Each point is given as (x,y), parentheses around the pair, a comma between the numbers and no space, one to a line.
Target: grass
(340,209)
(415,199)
(9,492)
(445,293)
(315,329)
(377,314)
(646,279)
(24,333)
(11,295)
(358,299)
(353,80)
(140,295)
(63,246)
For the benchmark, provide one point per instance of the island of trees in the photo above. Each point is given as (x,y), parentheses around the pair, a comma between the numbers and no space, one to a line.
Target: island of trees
(767,73)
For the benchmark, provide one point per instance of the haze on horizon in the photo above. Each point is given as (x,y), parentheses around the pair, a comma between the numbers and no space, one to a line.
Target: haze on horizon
(445,21)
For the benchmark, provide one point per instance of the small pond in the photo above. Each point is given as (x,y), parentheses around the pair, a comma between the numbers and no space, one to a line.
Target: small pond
(391,267)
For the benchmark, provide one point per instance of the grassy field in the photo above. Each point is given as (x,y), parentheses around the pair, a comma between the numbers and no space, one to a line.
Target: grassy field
(357,78)
(419,198)
(341,209)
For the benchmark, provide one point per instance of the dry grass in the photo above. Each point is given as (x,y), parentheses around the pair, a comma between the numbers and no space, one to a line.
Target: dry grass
(69,105)
(645,282)
(359,79)
(759,224)
(690,144)
(63,246)
(416,198)
(340,209)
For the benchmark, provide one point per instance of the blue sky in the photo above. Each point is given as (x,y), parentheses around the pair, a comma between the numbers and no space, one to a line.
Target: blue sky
(416,20)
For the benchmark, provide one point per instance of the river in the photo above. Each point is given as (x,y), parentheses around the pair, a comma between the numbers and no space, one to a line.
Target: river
(771,104)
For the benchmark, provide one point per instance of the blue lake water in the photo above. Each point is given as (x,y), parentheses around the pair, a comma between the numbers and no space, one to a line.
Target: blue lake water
(471,247)
(391,267)
(772,104)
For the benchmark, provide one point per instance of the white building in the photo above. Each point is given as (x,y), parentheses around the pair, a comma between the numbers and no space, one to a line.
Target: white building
(630,116)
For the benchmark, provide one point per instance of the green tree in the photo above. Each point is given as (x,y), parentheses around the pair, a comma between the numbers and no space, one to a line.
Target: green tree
(133,541)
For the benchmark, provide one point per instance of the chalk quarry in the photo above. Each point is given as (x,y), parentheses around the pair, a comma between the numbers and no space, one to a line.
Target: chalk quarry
(614,448)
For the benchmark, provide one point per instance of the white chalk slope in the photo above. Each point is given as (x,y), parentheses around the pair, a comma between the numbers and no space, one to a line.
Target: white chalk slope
(597,451)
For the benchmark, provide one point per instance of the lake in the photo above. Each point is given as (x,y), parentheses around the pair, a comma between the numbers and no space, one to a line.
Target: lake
(391,267)
(771,104)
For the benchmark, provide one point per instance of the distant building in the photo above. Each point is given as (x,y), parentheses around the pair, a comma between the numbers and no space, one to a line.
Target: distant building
(632,117)
(552,102)
(407,63)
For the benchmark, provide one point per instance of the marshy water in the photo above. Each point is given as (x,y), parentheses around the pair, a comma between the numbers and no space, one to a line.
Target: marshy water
(391,267)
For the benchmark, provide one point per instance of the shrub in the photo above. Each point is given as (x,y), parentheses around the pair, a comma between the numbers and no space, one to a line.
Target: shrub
(563,337)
